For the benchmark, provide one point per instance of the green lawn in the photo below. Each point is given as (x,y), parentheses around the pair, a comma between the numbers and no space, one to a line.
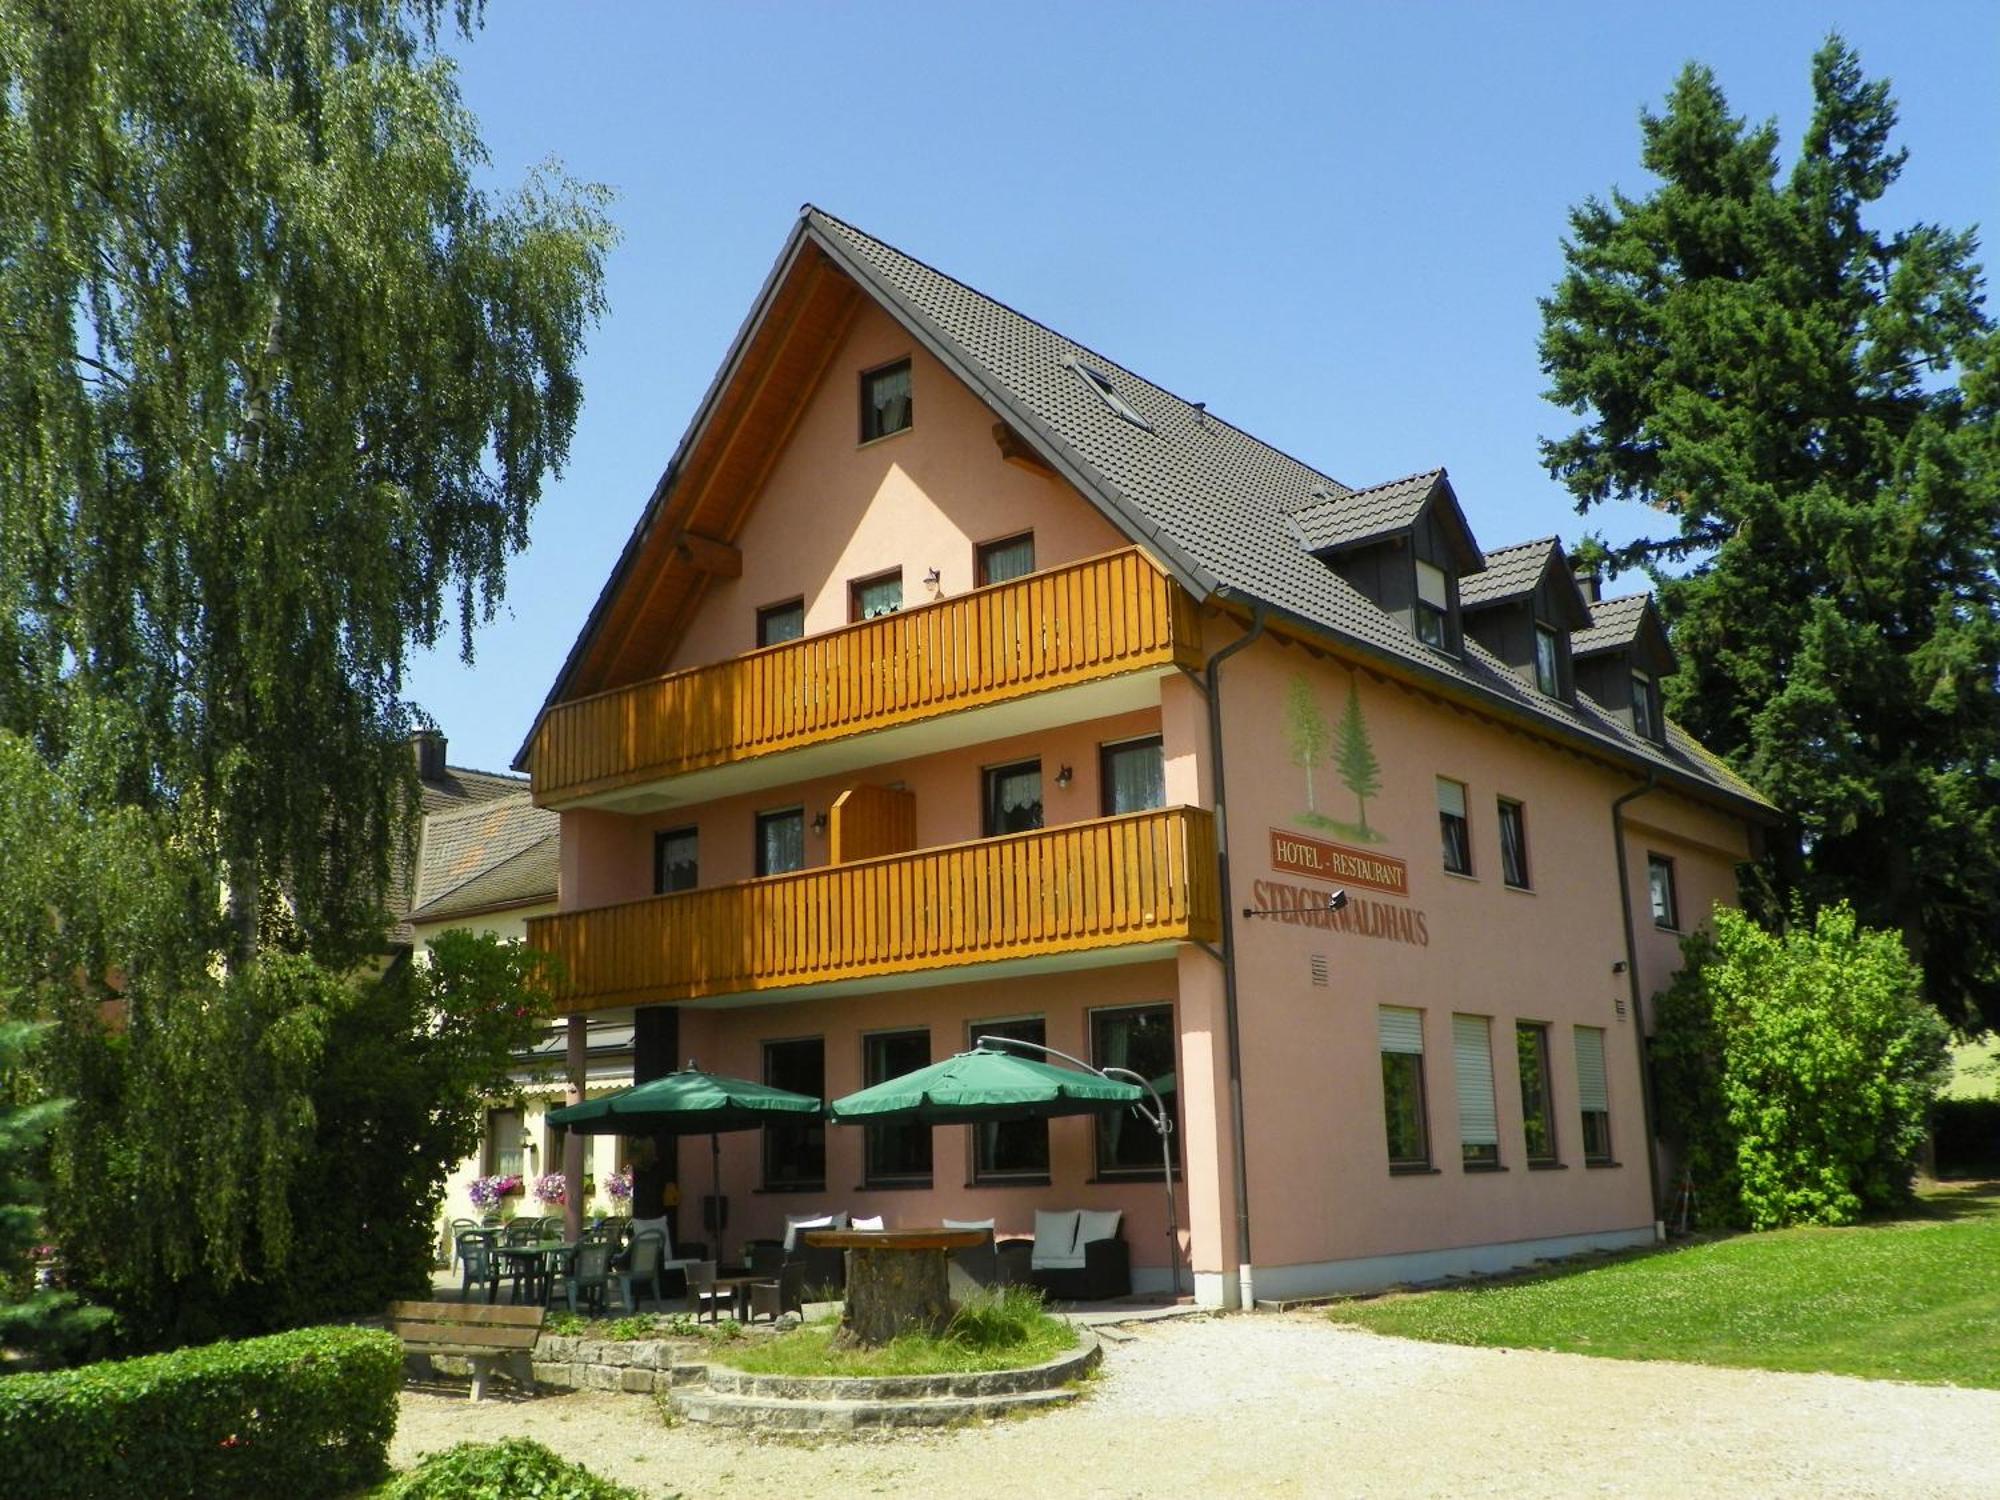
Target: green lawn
(1916,1298)
(998,1330)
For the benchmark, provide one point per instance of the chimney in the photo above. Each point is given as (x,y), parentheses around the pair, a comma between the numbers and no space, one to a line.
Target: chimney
(429,747)
(1588,581)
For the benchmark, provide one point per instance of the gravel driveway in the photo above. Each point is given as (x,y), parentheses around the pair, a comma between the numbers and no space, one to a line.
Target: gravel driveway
(1292,1405)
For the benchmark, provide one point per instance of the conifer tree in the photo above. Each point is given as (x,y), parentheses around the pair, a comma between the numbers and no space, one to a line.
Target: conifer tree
(32,1317)
(1305,730)
(1355,758)
(1808,401)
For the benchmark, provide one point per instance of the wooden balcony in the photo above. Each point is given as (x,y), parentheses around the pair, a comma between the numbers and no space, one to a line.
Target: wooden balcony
(1088,622)
(1141,881)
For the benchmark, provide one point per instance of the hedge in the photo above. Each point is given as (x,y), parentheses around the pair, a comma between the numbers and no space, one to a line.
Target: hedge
(1966,1134)
(510,1470)
(301,1415)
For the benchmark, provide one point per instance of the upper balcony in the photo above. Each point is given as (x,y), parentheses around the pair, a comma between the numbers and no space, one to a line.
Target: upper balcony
(1083,640)
(1111,890)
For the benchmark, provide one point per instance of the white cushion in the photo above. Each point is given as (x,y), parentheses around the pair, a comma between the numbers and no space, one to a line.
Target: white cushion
(840,1219)
(968,1223)
(656,1226)
(795,1222)
(1056,1248)
(1093,1225)
(873,1222)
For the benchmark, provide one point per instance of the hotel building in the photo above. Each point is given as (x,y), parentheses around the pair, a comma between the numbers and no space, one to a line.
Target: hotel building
(955,680)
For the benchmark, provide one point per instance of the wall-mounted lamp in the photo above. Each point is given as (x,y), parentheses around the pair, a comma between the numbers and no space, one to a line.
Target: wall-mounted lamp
(934,580)
(1335,901)
(1064,777)
(819,822)
(1618,966)
(528,1146)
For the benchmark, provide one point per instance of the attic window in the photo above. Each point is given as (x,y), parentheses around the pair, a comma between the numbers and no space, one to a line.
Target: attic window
(1433,605)
(1100,384)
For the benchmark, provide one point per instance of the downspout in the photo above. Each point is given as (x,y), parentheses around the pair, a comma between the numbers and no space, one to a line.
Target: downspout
(1632,982)
(1213,677)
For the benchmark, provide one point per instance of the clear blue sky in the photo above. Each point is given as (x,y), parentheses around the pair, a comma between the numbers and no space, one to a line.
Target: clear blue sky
(1330,224)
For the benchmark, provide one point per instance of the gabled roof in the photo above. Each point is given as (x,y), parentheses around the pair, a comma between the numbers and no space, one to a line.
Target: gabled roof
(500,853)
(1514,573)
(1336,523)
(458,787)
(1627,623)
(1214,506)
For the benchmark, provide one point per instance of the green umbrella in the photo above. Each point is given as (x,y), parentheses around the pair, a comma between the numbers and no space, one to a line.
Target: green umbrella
(983,1086)
(689,1102)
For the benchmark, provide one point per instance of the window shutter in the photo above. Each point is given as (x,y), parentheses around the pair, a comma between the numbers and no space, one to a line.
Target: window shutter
(1451,797)
(1590,1090)
(1402,1029)
(1472,1061)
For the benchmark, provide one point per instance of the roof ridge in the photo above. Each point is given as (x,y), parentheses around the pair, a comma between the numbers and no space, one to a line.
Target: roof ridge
(1200,408)
(484,809)
(1539,541)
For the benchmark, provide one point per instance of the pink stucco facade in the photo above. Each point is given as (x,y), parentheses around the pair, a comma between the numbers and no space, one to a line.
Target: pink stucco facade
(1325,1210)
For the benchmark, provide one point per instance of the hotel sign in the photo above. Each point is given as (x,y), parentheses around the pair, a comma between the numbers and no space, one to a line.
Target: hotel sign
(1318,860)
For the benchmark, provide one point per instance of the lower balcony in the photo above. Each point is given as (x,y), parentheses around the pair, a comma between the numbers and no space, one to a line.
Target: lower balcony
(1110,890)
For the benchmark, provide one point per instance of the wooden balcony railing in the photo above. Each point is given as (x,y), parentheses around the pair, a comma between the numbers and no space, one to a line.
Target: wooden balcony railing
(1088,620)
(1139,878)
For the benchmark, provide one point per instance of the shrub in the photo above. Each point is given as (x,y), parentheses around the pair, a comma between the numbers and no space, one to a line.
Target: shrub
(1795,1069)
(302,1414)
(509,1470)
(1967,1136)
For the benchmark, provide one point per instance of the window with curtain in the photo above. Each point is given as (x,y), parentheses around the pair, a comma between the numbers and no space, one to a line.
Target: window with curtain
(885,401)
(1513,844)
(795,1148)
(1452,825)
(1403,1114)
(1548,660)
(1010,557)
(896,1155)
(1133,776)
(1660,888)
(1011,1150)
(1013,798)
(1472,1068)
(1593,1096)
(778,623)
(871,598)
(781,841)
(1433,606)
(1538,1115)
(504,1131)
(1139,1037)
(676,866)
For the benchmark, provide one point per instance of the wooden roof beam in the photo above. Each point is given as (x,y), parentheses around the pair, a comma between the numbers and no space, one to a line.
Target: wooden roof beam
(706,555)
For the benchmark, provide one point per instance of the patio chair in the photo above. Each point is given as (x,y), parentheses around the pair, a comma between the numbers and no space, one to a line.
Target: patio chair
(475,1256)
(641,1271)
(977,1268)
(1078,1255)
(589,1275)
(453,1231)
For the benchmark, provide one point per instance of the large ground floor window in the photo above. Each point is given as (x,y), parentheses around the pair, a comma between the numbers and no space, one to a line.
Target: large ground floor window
(1012,1150)
(1139,1037)
(897,1155)
(795,1151)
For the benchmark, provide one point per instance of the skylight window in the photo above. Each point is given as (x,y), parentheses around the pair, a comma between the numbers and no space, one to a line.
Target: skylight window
(1101,384)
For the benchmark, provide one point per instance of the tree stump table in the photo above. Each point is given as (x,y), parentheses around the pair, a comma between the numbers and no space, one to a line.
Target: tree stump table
(898,1280)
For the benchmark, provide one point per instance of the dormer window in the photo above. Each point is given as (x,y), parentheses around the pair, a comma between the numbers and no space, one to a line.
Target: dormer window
(1433,605)
(1645,709)
(1548,660)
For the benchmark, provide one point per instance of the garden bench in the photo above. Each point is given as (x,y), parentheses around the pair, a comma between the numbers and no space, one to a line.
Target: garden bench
(479,1332)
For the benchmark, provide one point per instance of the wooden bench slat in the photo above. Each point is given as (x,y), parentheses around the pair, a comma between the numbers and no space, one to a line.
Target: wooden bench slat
(468,1312)
(487,1338)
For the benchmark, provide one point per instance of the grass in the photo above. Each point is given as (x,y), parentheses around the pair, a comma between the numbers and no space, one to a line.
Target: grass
(641,1326)
(1000,1330)
(1914,1298)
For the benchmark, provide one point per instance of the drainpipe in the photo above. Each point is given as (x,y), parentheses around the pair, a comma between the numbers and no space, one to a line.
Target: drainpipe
(1632,981)
(1213,677)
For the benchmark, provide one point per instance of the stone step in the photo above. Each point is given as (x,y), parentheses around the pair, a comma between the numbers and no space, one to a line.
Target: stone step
(793,1414)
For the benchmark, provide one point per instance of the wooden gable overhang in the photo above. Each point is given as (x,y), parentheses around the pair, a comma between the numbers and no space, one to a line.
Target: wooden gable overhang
(687,532)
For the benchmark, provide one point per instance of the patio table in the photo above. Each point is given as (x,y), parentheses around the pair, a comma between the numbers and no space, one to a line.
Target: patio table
(897,1279)
(537,1263)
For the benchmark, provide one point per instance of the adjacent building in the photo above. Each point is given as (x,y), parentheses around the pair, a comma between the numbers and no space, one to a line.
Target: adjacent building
(956,680)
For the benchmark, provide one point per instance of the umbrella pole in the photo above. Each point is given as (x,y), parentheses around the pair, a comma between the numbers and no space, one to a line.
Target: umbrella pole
(715,1188)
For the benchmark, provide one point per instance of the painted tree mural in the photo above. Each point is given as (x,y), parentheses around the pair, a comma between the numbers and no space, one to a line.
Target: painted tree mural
(1354,758)
(1305,728)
